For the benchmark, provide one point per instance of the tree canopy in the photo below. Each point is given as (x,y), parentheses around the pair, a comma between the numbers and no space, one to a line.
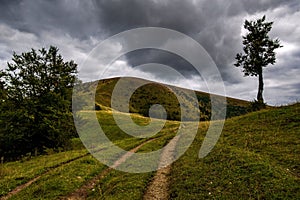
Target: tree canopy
(36,90)
(258,51)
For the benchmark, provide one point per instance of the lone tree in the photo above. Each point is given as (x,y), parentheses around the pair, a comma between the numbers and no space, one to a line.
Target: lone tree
(36,102)
(258,51)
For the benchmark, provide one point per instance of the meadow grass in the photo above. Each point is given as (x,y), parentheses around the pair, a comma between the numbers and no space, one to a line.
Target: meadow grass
(257,157)
(19,172)
(66,178)
(62,180)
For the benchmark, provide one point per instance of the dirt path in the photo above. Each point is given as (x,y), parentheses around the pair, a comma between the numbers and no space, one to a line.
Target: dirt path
(81,193)
(25,185)
(20,188)
(159,186)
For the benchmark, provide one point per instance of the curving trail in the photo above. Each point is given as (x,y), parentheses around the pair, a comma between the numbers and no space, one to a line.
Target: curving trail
(81,193)
(159,186)
(157,189)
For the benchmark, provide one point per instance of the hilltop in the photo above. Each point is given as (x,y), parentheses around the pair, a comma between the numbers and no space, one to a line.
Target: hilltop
(157,93)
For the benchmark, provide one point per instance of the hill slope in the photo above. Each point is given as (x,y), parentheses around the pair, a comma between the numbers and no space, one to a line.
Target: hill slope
(257,157)
(156,93)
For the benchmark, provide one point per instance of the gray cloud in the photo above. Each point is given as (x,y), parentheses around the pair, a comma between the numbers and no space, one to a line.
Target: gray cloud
(77,26)
(215,24)
(76,18)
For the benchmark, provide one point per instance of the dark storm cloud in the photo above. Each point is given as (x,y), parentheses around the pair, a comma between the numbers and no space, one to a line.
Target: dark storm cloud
(76,26)
(9,12)
(76,18)
(140,57)
(117,16)
(189,17)
(212,23)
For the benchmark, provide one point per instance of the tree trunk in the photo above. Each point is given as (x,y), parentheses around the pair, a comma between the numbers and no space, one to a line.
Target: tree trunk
(260,98)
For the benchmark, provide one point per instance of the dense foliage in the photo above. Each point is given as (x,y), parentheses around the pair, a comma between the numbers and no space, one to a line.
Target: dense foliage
(36,91)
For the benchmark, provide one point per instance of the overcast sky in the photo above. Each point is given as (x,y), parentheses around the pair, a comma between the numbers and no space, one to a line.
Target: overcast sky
(76,27)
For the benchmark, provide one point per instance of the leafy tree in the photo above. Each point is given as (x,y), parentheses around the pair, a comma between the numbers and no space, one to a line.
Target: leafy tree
(37,106)
(258,51)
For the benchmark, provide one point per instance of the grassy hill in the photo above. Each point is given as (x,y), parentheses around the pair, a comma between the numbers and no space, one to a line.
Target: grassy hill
(256,157)
(156,93)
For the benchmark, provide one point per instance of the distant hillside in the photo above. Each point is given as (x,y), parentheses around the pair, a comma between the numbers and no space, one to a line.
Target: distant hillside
(156,93)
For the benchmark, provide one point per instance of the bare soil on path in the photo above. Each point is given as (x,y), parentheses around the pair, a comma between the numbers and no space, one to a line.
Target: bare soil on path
(159,187)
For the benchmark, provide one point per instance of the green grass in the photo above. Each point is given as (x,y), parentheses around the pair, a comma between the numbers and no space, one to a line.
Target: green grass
(62,180)
(121,185)
(256,157)
(19,172)
(127,186)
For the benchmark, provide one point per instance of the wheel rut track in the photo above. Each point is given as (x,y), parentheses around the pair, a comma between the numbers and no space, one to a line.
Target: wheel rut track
(48,169)
(82,192)
(158,184)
